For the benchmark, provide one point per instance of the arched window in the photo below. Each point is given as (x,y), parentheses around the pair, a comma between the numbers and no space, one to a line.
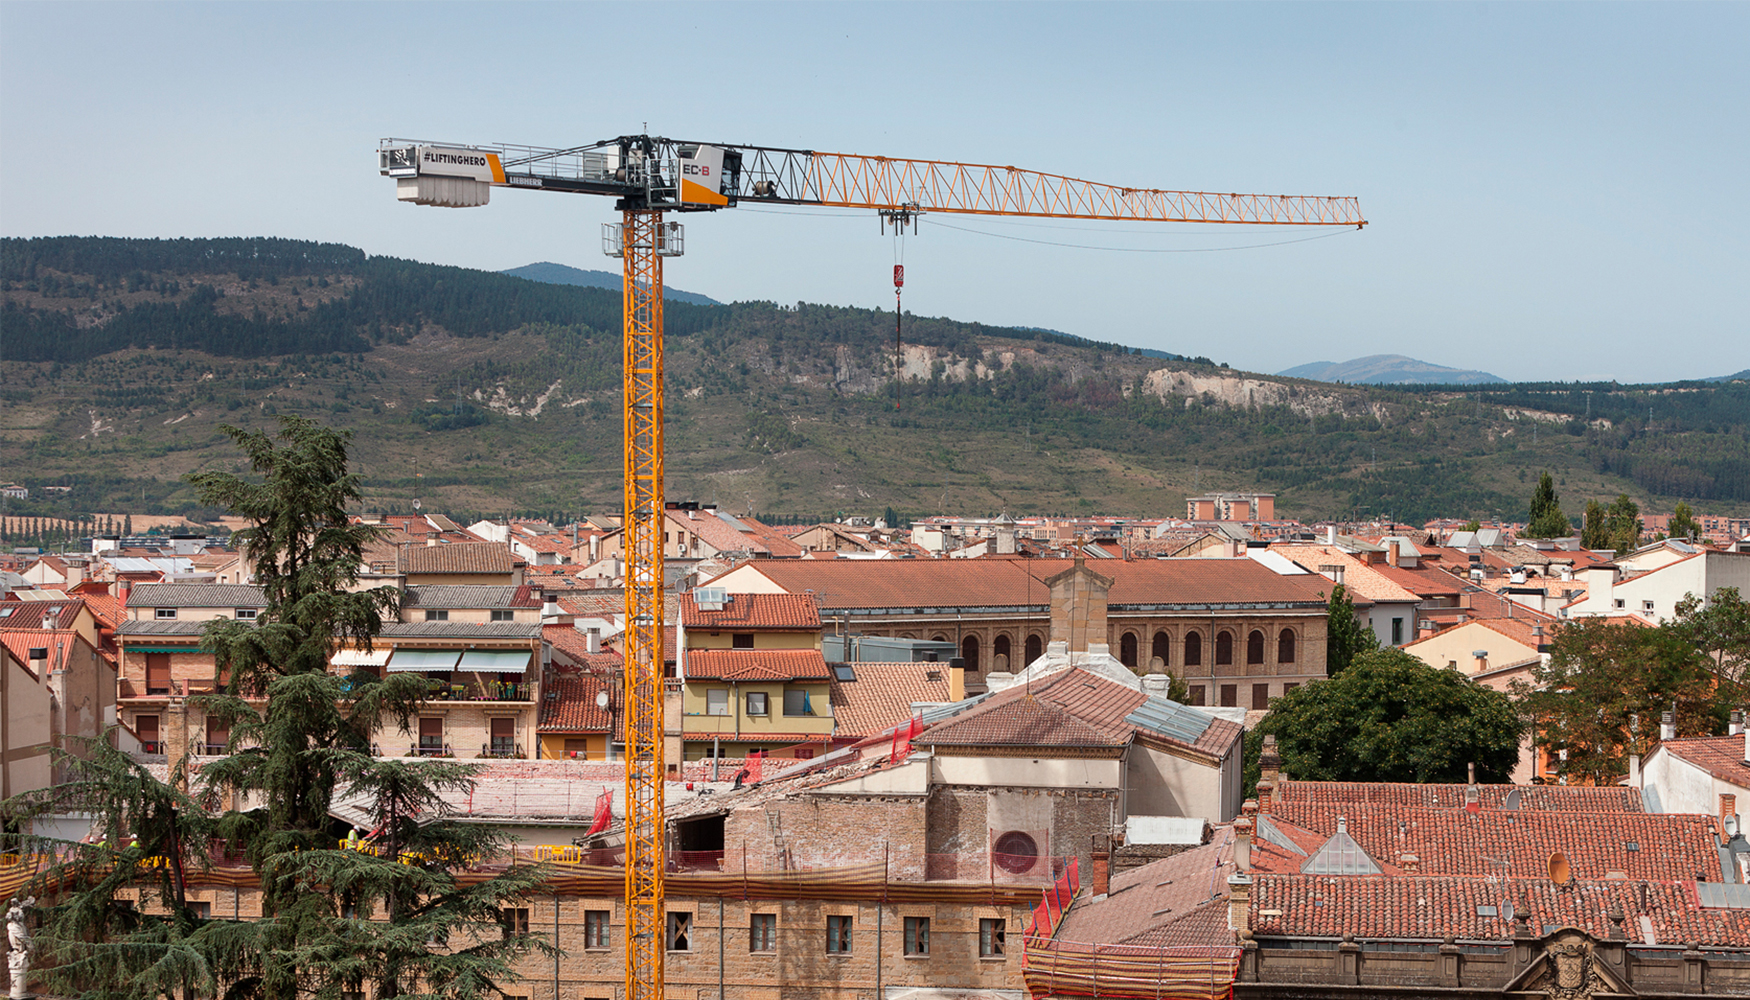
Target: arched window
(1162,650)
(1127,650)
(1224,648)
(1255,647)
(1015,852)
(999,653)
(969,653)
(938,637)
(1035,648)
(1193,649)
(1285,646)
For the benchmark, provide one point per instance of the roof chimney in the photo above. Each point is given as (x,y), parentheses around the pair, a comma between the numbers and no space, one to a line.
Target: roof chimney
(956,678)
(1737,724)
(1391,552)
(1102,880)
(39,657)
(550,607)
(592,640)
(1243,845)
(1473,797)
(125,590)
(1239,900)
(1668,726)
(1634,770)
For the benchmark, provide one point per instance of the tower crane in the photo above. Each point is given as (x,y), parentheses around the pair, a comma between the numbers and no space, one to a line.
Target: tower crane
(649,176)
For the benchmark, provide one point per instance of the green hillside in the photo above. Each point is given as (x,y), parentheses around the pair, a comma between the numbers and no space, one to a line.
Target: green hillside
(122,358)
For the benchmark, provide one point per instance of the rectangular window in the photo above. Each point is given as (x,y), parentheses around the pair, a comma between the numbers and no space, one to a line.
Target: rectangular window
(203,910)
(991,934)
(797,702)
(247,614)
(502,615)
(917,935)
(514,922)
(838,935)
(431,734)
(1199,696)
(503,735)
(437,615)
(146,728)
(595,929)
(680,931)
(157,673)
(1620,603)
(1397,631)
(1230,695)
(163,613)
(1260,696)
(1646,605)
(756,703)
(716,701)
(762,932)
(804,753)
(741,640)
(576,748)
(1291,685)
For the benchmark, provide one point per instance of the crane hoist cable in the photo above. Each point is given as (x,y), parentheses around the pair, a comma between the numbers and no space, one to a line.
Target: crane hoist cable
(649,176)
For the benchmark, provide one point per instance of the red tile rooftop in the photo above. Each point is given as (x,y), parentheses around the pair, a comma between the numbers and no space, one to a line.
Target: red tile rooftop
(754,612)
(756,665)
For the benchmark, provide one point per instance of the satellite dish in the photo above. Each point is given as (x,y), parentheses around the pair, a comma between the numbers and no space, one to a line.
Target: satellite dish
(601,699)
(1558,868)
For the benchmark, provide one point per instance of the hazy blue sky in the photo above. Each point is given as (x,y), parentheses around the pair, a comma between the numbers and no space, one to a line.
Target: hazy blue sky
(1554,191)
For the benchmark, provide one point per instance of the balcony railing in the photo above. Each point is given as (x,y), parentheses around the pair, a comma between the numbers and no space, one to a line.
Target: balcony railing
(502,750)
(152,746)
(431,751)
(489,691)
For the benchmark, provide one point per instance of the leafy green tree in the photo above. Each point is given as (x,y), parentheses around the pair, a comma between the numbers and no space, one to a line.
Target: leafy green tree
(333,920)
(1473,525)
(1625,524)
(1547,519)
(1596,532)
(1391,717)
(1606,685)
(1720,628)
(1345,636)
(1683,523)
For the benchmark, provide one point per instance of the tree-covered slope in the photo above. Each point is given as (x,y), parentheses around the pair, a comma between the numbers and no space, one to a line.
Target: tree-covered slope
(482,392)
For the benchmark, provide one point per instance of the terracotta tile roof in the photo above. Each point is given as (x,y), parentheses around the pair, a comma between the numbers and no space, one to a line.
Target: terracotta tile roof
(1028,722)
(59,643)
(1425,581)
(882,695)
(1432,908)
(106,609)
(756,665)
(1093,712)
(574,710)
(459,557)
(1004,582)
(1165,902)
(724,532)
(610,603)
(1519,843)
(1574,798)
(574,646)
(1720,756)
(60,613)
(1359,577)
(744,612)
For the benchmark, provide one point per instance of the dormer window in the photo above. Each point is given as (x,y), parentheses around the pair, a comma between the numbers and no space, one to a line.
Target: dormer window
(163,614)
(247,614)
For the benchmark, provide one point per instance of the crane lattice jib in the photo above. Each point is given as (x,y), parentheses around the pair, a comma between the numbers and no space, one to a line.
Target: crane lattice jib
(642,233)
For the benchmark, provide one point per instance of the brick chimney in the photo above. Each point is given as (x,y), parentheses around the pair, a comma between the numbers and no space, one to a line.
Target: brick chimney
(1410,864)
(1239,903)
(1102,873)
(1473,798)
(1243,845)
(1728,806)
(1270,774)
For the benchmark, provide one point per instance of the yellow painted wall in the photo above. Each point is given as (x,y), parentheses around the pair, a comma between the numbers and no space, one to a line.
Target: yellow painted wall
(694,702)
(701,639)
(553,745)
(1455,645)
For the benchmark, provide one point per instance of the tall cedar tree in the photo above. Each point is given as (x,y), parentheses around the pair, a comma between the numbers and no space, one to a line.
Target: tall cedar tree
(1625,524)
(1345,636)
(1391,717)
(394,921)
(1547,519)
(1596,532)
(1606,685)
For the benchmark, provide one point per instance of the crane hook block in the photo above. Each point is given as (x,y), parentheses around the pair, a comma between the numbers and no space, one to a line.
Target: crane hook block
(899,275)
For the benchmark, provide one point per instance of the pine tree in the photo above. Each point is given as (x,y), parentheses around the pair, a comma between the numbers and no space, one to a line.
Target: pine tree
(1547,519)
(333,920)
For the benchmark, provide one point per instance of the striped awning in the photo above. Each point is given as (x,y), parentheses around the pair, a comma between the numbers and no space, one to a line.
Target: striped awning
(496,661)
(423,660)
(360,658)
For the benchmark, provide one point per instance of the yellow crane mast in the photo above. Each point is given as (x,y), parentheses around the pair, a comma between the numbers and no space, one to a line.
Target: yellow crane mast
(650,175)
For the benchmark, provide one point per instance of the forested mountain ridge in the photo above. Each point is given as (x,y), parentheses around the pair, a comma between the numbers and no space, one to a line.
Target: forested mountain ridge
(482,392)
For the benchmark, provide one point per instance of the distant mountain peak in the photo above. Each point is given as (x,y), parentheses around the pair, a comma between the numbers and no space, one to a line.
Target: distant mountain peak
(1389,369)
(562,274)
